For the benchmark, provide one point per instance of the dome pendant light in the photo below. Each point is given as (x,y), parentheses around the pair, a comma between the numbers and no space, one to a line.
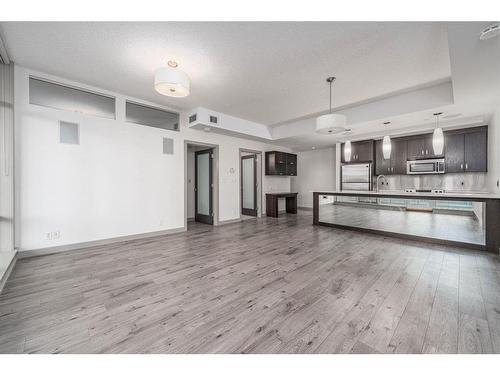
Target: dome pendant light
(438,137)
(170,81)
(386,144)
(332,123)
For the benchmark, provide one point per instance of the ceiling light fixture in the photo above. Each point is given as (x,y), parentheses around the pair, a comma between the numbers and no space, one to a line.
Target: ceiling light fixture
(171,81)
(331,123)
(438,137)
(387,144)
(347,151)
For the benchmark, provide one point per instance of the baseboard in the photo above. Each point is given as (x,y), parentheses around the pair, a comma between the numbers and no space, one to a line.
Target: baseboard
(305,208)
(230,221)
(190,219)
(7,273)
(82,245)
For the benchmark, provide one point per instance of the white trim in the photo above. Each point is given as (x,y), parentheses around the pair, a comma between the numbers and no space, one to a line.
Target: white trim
(82,245)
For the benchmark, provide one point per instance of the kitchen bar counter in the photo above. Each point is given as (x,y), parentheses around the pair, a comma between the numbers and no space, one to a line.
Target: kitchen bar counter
(402,194)
(465,219)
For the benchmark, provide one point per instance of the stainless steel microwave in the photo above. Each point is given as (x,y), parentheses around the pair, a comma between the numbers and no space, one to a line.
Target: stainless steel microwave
(429,166)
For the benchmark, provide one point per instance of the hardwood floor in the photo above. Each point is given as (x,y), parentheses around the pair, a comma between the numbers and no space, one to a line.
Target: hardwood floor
(270,285)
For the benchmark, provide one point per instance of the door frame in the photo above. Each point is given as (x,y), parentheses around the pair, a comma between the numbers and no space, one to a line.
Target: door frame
(207,219)
(259,181)
(248,211)
(215,181)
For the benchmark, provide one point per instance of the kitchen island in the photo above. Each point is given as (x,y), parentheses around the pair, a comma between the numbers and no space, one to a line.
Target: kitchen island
(464,219)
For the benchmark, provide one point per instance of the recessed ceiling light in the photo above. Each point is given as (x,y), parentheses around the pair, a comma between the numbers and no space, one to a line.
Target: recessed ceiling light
(313,147)
(206,128)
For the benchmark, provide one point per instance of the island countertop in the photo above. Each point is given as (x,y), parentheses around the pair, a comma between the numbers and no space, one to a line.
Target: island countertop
(423,195)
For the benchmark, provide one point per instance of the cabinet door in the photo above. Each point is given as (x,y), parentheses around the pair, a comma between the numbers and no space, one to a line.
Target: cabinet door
(475,155)
(398,157)
(416,148)
(454,150)
(280,160)
(291,164)
(382,166)
(429,149)
(364,151)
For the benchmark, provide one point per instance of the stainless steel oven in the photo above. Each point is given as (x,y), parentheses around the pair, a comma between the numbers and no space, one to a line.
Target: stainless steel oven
(429,166)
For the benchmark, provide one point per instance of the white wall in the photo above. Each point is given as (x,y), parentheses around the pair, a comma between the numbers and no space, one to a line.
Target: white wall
(494,152)
(316,171)
(116,182)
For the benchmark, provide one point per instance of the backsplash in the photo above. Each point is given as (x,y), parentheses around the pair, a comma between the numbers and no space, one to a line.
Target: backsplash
(450,182)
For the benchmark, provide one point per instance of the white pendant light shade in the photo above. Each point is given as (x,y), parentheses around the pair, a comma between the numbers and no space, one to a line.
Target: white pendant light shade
(438,141)
(387,147)
(332,123)
(171,81)
(347,151)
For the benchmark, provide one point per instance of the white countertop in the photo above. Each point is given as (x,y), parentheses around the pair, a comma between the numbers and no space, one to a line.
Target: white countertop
(451,194)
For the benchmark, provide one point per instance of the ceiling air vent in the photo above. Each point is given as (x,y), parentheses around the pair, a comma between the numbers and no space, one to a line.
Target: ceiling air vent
(192,118)
(213,119)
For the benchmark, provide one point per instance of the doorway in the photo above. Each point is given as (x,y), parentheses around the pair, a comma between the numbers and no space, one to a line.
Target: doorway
(203,197)
(249,185)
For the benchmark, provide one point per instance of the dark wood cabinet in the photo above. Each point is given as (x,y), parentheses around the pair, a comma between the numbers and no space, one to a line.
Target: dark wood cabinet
(396,164)
(291,164)
(466,150)
(454,149)
(475,151)
(280,164)
(420,147)
(361,152)
(398,156)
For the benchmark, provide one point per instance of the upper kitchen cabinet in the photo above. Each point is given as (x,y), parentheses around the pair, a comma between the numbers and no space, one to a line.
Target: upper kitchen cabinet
(280,164)
(466,150)
(361,152)
(396,164)
(420,147)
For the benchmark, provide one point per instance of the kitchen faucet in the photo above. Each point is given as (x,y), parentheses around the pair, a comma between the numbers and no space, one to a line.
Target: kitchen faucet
(378,178)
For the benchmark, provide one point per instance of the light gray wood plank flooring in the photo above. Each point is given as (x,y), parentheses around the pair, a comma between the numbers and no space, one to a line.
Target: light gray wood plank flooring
(260,286)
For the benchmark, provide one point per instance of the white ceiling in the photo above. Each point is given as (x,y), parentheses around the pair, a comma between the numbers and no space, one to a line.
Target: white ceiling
(264,72)
(274,73)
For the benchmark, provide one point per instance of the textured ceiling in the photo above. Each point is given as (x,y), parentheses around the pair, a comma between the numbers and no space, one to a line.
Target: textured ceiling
(264,72)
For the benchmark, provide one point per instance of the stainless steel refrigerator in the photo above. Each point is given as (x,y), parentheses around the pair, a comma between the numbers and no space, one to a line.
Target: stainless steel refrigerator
(357,177)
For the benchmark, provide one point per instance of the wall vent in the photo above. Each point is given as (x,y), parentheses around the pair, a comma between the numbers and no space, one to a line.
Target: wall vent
(213,119)
(192,118)
(168,146)
(69,133)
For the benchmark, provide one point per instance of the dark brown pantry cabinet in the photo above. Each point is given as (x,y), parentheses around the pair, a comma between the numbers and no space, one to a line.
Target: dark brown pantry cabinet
(466,150)
(279,163)
(361,151)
